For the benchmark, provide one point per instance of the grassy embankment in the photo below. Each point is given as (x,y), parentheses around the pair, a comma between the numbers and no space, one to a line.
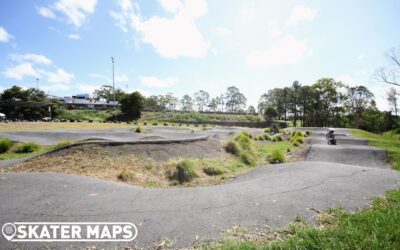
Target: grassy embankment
(390,141)
(197,117)
(374,228)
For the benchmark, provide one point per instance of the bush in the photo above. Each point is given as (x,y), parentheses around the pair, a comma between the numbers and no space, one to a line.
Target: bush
(233,147)
(126,175)
(213,171)
(278,138)
(266,130)
(144,123)
(165,124)
(244,141)
(5,145)
(297,139)
(308,133)
(183,172)
(295,144)
(277,157)
(27,147)
(247,159)
(267,137)
(132,105)
(154,124)
(138,130)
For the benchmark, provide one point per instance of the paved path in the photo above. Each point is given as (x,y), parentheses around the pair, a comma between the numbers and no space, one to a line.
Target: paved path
(270,195)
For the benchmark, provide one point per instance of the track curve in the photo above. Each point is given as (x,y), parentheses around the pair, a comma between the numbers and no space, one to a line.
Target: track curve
(269,195)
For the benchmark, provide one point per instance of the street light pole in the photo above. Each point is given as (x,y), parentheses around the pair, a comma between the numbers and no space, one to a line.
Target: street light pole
(112,60)
(37,83)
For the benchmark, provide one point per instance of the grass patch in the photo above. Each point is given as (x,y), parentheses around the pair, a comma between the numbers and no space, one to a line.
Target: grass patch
(277,156)
(248,159)
(62,144)
(210,170)
(183,171)
(390,143)
(373,228)
(126,175)
(233,147)
(26,147)
(5,145)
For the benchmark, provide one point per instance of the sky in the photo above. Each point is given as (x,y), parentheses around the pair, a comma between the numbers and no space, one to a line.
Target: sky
(182,46)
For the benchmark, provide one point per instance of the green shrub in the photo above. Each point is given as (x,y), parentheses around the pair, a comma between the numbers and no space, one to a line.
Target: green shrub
(233,147)
(298,139)
(278,138)
(298,133)
(277,156)
(138,130)
(165,124)
(126,175)
(154,124)
(144,123)
(244,141)
(183,172)
(213,171)
(247,159)
(27,147)
(63,143)
(295,144)
(5,145)
(266,130)
(267,137)
(261,137)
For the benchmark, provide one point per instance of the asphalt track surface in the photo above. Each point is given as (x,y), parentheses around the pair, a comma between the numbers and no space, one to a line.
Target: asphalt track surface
(270,195)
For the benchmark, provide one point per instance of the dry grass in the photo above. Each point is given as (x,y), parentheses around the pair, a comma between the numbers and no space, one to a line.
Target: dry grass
(97,161)
(26,126)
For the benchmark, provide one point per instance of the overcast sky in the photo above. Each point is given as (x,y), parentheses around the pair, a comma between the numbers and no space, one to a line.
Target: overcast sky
(181,46)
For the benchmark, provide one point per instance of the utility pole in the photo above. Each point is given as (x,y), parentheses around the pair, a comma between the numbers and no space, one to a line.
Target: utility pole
(37,83)
(112,60)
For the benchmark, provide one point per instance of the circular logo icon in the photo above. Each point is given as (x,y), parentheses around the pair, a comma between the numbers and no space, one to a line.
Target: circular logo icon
(9,230)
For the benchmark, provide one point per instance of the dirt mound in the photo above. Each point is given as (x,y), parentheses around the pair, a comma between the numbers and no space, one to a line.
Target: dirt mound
(157,152)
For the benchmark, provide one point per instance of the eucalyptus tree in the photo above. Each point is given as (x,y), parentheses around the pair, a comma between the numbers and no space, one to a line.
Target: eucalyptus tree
(201,99)
(187,103)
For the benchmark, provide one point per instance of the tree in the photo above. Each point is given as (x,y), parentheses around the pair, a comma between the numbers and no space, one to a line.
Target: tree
(132,105)
(213,105)
(251,110)
(392,99)
(391,73)
(357,101)
(151,103)
(220,102)
(326,98)
(201,98)
(294,97)
(31,104)
(15,93)
(187,103)
(270,114)
(235,101)
(107,92)
(170,101)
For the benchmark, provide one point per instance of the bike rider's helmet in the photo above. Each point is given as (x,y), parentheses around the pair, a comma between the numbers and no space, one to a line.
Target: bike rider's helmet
(331,130)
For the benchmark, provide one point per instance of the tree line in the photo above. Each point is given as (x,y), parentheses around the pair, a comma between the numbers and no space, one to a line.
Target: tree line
(328,103)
